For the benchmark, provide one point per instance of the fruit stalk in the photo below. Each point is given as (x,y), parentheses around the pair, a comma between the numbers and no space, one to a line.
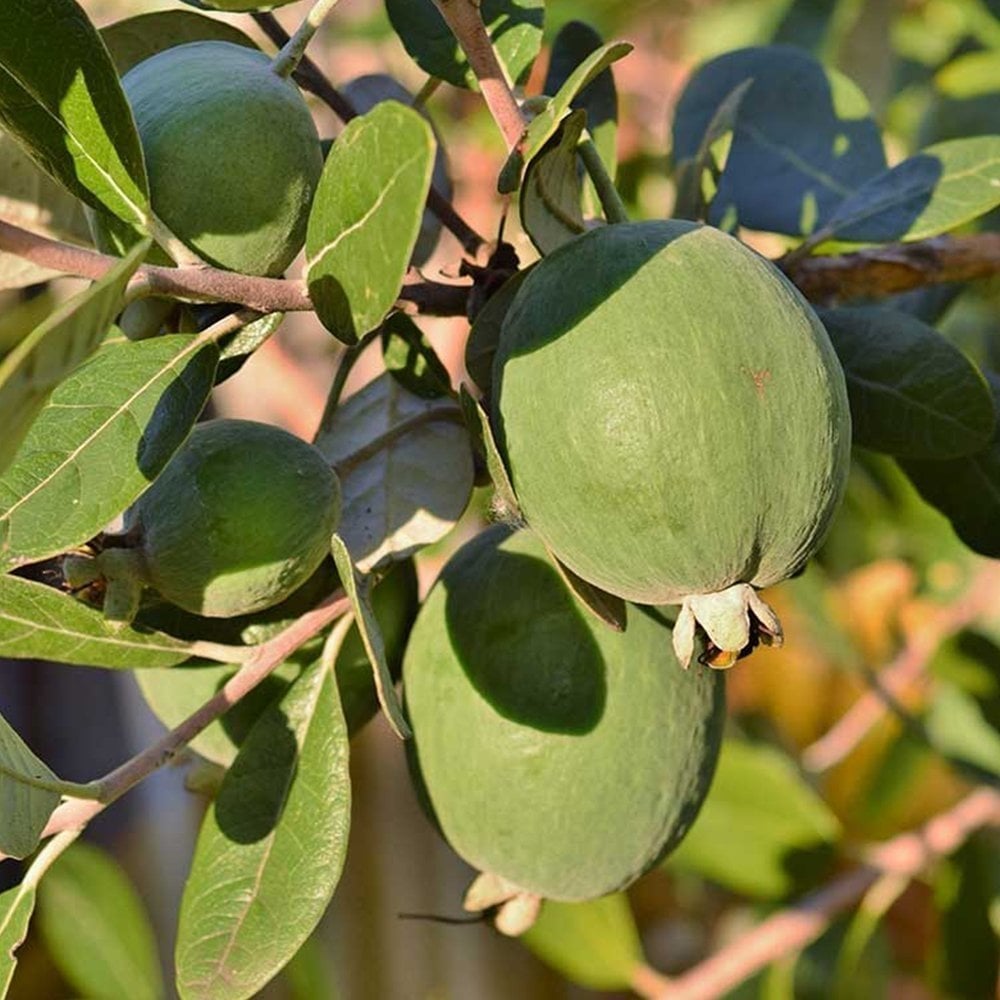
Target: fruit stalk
(294,49)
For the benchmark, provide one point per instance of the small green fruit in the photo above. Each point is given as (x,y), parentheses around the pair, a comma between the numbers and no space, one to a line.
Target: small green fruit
(239,519)
(558,756)
(674,421)
(231,150)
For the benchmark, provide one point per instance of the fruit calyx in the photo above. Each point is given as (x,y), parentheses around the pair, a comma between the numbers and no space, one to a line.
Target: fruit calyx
(733,621)
(514,911)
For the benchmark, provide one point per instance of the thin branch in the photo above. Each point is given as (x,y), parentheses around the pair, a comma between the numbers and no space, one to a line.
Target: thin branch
(902,674)
(310,77)
(466,22)
(75,813)
(790,930)
(292,52)
(897,267)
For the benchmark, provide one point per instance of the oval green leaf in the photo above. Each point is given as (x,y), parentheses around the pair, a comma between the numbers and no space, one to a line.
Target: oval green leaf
(514,26)
(937,190)
(105,435)
(42,623)
(791,163)
(912,393)
(271,848)
(366,217)
(785,831)
(96,927)
(44,358)
(16,907)
(68,109)
(594,944)
(405,469)
(24,810)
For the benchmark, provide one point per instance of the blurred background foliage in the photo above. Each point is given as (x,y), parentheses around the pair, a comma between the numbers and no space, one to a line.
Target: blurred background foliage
(893,590)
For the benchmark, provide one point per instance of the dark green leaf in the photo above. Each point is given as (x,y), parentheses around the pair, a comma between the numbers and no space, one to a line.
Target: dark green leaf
(552,191)
(791,162)
(546,123)
(704,169)
(514,26)
(574,42)
(41,623)
(29,198)
(410,359)
(481,347)
(68,109)
(912,393)
(43,359)
(238,347)
(783,830)
(134,39)
(479,424)
(106,434)
(366,217)
(24,810)
(96,928)
(271,848)
(359,591)
(935,191)
(405,469)
(595,944)
(609,608)
(364,93)
(16,906)
(966,490)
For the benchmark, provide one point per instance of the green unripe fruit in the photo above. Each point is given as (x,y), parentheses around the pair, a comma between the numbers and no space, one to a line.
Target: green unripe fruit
(231,150)
(674,421)
(553,752)
(239,519)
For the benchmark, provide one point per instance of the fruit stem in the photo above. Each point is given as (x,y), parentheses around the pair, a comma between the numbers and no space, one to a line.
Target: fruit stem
(426,92)
(181,254)
(611,201)
(288,58)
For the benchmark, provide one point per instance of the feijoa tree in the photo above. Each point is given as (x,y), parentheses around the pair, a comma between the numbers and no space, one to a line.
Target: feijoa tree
(672,413)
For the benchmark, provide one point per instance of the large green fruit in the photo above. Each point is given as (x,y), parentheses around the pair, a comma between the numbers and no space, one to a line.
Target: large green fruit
(240,518)
(232,153)
(553,752)
(674,421)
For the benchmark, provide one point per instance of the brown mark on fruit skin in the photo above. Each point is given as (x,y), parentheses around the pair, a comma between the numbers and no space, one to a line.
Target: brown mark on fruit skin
(760,379)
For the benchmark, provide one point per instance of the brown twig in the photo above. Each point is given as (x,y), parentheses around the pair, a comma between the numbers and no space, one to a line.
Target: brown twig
(792,929)
(466,22)
(209,284)
(310,77)
(897,267)
(901,674)
(73,813)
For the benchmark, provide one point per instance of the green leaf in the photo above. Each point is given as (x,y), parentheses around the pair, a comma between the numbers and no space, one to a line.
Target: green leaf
(405,470)
(933,192)
(30,199)
(410,359)
(479,423)
(912,393)
(43,359)
(514,26)
(364,92)
(366,217)
(134,39)
(704,169)
(763,831)
(16,907)
(974,74)
(24,810)
(594,944)
(481,347)
(546,123)
(956,727)
(966,490)
(41,623)
(237,348)
(552,193)
(68,109)
(791,162)
(358,590)
(271,848)
(574,42)
(105,435)
(96,927)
